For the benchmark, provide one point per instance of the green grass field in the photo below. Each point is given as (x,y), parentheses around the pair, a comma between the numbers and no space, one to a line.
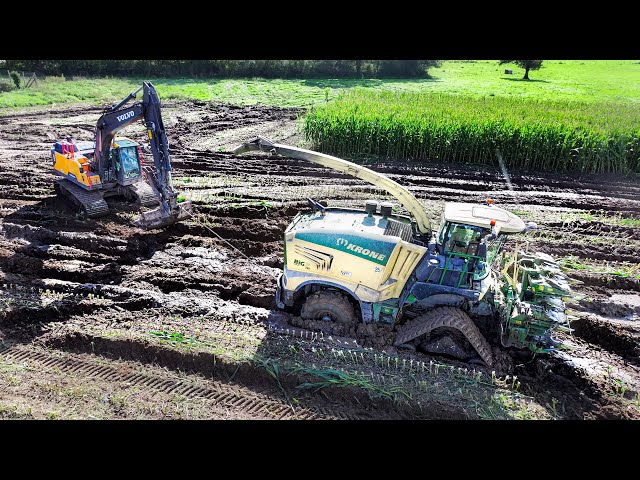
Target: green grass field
(574,80)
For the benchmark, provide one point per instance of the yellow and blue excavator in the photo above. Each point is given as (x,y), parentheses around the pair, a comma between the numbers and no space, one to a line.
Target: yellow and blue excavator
(114,166)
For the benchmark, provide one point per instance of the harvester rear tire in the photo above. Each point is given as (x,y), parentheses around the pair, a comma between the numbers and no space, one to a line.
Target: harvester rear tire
(321,305)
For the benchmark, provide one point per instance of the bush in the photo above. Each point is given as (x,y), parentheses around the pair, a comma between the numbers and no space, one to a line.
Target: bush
(6,87)
(230,68)
(15,76)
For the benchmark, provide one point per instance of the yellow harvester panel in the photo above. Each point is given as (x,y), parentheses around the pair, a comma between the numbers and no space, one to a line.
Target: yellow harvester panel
(362,259)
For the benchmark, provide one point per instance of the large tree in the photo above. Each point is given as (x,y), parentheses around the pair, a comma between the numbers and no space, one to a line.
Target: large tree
(526,64)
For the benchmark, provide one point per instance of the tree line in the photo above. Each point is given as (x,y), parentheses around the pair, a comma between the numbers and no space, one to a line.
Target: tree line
(229,68)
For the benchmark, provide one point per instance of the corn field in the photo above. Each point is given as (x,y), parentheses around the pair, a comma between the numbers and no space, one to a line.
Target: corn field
(557,136)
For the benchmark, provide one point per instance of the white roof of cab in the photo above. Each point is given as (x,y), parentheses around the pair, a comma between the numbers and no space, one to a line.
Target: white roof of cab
(481,215)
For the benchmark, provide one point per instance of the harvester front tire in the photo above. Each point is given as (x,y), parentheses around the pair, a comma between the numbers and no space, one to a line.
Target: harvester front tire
(328,304)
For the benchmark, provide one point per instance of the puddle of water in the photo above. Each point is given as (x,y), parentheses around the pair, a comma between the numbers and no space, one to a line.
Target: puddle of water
(631,299)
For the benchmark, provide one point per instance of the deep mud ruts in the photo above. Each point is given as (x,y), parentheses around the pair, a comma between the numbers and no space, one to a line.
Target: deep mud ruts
(97,288)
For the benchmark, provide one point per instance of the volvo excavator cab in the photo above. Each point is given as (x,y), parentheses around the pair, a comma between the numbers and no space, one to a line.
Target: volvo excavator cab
(126,158)
(74,163)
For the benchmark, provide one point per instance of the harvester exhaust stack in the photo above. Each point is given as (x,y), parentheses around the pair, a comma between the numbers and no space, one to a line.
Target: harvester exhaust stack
(159,218)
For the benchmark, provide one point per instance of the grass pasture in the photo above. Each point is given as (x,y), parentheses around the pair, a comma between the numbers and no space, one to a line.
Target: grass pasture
(572,80)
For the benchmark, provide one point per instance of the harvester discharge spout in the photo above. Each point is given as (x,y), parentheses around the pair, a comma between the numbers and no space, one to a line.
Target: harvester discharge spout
(404,196)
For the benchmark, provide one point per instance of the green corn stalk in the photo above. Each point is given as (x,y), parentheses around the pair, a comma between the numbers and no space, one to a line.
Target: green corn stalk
(550,135)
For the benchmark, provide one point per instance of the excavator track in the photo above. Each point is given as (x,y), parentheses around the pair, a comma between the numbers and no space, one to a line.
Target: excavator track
(145,194)
(450,317)
(91,203)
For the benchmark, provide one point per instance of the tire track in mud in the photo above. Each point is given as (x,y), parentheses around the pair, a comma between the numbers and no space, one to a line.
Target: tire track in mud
(215,392)
(42,243)
(614,253)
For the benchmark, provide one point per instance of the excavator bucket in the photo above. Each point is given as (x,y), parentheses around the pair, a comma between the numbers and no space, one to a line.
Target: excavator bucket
(157,218)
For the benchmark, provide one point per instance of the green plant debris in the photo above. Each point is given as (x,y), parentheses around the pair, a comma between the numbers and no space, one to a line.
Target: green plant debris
(620,269)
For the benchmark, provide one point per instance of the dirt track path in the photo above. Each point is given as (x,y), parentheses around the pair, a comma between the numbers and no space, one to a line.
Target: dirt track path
(187,301)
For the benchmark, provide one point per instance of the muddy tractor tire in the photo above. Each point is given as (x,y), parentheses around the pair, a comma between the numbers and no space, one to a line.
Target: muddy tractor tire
(328,306)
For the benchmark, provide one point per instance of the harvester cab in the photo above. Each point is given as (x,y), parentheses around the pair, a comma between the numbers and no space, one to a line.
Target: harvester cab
(468,240)
(351,266)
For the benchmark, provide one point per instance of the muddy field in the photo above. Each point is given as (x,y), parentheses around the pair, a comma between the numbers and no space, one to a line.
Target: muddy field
(99,319)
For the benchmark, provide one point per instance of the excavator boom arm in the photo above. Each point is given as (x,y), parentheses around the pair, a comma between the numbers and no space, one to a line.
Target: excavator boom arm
(159,144)
(404,196)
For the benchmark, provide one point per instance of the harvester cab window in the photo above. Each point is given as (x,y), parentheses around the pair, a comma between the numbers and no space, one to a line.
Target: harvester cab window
(130,162)
(462,239)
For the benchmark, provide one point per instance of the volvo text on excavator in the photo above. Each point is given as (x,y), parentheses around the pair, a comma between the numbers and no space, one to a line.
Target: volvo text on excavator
(112,166)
